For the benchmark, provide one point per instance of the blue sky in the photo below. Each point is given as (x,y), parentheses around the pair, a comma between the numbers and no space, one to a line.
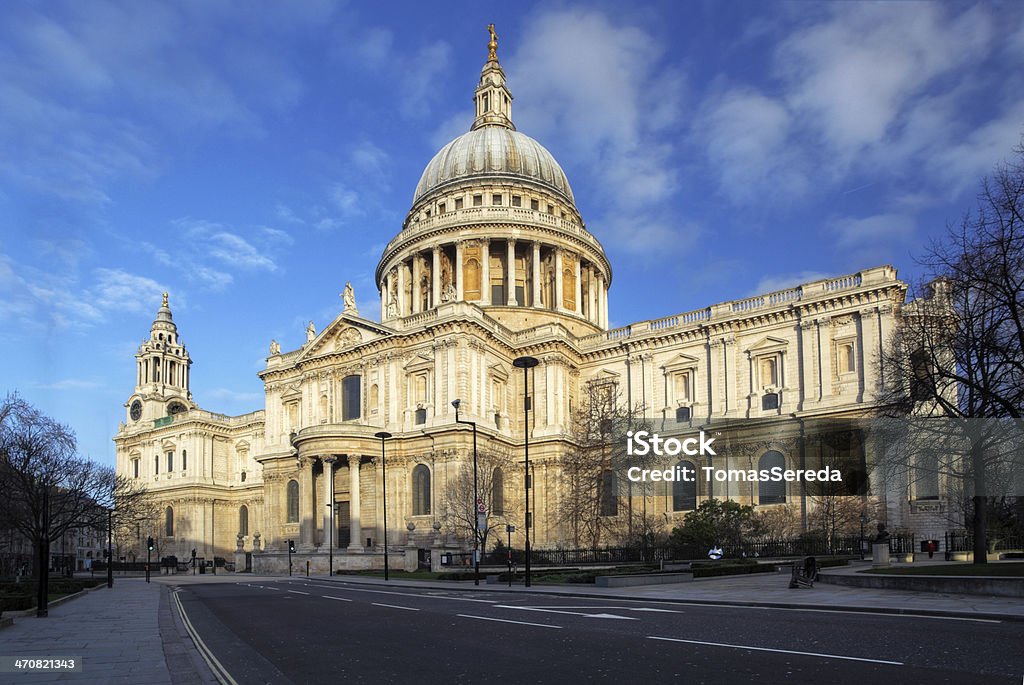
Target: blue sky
(251,158)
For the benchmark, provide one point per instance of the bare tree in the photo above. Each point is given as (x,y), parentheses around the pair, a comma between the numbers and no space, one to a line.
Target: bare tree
(48,489)
(494,472)
(594,487)
(956,362)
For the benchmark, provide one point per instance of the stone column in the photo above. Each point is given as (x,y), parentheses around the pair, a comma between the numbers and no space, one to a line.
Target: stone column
(485,271)
(307,520)
(384,299)
(604,305)
(459,290)
(402,309)
(510,270)
(356,535)
(378,479)
(535,267)
(435,276)
(579,285)
(389,283)
(417,296)
(328,463)
(557,299)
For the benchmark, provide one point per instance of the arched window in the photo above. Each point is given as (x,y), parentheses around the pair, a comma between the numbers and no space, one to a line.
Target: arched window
(169,522)
(293,501)
(420,490)
(684,492)
(497,492)
(771,491)
(243,520)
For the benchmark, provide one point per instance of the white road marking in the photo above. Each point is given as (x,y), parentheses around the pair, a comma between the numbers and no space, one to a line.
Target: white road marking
(298,592)
(393,606)
(570,613)
(348,588)
(556,606)
(505,620)
(780,651)
(340,599)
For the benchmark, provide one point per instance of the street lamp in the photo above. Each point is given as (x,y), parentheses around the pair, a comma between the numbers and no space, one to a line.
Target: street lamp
(384,435)
(526,363)
(863,520)
(478,505)
(110,548)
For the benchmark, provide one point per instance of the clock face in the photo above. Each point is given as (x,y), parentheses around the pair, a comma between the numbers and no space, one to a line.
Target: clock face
(136,410)
(175,408)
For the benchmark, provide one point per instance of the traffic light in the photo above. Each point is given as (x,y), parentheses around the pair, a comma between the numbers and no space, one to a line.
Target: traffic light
(291,546)
(149,543)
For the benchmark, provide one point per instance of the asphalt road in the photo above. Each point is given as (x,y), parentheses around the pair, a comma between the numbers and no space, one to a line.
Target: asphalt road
(326,631)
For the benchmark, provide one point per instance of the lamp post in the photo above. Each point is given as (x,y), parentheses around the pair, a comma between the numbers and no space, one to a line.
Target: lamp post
(478,505)
(526,363)
(863,520)
(110,548)
(384,435)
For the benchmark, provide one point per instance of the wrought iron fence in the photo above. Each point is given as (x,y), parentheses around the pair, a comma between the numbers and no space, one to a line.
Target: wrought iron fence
(958,541)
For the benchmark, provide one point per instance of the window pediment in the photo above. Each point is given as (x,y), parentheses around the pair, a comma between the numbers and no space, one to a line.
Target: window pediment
(681,362)
(767,345)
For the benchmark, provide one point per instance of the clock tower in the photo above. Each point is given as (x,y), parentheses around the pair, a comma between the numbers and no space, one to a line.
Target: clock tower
(162,373)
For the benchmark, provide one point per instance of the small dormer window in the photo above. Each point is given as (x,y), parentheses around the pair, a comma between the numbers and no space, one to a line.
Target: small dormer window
(442,208)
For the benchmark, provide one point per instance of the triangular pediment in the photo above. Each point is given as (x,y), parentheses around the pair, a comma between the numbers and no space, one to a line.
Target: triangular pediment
(292,394)
(768,344)
(681,361)
(420,361)
(345,332)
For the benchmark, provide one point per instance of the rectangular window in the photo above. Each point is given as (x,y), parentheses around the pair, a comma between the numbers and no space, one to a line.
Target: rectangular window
(682,387)
(498,294)
(351,397)
(534,205)
(478,200)
(135,467)
(442,208)
(421,416)
(496,199)
(517,200)
(170,462)
(156,464)
(184,460)
(551,209)
(458,203)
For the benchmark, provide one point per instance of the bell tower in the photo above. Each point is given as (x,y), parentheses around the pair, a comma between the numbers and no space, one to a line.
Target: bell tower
(162,373)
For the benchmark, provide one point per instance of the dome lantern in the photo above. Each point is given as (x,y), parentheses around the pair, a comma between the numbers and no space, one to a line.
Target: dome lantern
(493,98)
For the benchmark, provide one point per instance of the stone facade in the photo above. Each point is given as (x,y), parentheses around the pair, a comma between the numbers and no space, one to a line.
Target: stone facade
(493,261)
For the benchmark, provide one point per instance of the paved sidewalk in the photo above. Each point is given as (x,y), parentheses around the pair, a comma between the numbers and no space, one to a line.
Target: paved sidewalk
(126,634)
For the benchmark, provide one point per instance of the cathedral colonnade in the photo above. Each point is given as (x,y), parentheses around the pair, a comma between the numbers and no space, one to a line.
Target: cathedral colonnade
(495,272)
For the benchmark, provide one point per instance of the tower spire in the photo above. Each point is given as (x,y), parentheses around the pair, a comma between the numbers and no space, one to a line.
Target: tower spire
(493,98)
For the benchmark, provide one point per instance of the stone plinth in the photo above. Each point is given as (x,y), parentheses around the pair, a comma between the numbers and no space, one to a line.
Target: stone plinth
(880,555)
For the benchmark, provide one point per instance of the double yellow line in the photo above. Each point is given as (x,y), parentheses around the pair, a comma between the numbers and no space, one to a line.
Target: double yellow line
(219,672)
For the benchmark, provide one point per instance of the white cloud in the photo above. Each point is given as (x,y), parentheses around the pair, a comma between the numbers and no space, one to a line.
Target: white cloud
(880,228)
(854,74)
(747,135)
(208,239)
(598,89)
(116,289)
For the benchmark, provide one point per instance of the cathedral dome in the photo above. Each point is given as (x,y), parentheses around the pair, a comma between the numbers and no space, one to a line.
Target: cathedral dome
(493,152)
